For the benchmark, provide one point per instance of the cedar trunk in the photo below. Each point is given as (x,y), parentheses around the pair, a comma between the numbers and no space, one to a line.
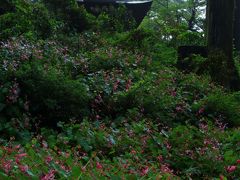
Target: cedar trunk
(237,25)
(220,42)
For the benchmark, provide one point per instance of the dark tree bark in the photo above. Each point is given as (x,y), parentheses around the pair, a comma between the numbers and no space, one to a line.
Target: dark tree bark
(193,11)
(237,25)
(220,43)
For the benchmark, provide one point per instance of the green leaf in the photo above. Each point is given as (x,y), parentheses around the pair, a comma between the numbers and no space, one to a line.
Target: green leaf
(4,176)
(2,106)
(76,172)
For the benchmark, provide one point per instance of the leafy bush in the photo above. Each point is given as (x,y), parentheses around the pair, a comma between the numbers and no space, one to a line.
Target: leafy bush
(115,20)
(136,39)
(191,38)
(99,105)
(40,82)
(150,43)
(74,17)
(44,25)
(53,96)
(223,106)
(138,149)
(28,19)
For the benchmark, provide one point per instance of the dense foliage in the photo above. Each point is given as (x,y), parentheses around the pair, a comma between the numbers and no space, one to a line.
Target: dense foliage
(82,98)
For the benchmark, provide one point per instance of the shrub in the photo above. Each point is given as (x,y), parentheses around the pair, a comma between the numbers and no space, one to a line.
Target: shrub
(194,152)
(28,19)
(14,24)
(74,17)
(150,43)
(44,25)
(115,19)
(53,96)
(136,39)
(225,107)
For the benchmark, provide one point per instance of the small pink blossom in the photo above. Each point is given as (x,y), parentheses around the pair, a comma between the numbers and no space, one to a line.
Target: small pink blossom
(231,169)
(17,146)
(144,171)
(99,166)
(173,93)
(201,110)
(133,152)
(222,177)
(67,155)
(48,159)
(115,86)
(97,117)
(7,165)
(125,166)
(168,145)
(165,168)
(45,144)
(49,176)
(23,168)
(160,158)
(179,109)
(128,85)
(21,155)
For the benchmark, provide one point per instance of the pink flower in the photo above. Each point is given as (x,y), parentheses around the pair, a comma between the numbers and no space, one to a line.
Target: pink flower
(23,168)
(125,166)
(17,146)
(7,165)
(179,109)
(160,158)
(133,152)
(115,86)
(44,144)
(65,168)
(99,166)
(21,155)
(144,171)
(173,93)
(165,168)
(128,85)
(238,161)
(222,177)
(49,176)
(168,145)
(48,159)
(67,155)
(231,168)
(57,162)
(200,111)
(97,117)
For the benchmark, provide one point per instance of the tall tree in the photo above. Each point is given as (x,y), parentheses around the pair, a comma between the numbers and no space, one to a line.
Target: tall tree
(195,10)
(237,25)
(220,42)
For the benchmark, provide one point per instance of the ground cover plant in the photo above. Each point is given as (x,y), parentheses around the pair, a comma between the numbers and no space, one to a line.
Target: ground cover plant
(80,100)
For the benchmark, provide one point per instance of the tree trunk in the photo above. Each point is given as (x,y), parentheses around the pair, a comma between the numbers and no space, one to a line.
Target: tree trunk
(193,11)
(237,25)
(220,43)
(192,20)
